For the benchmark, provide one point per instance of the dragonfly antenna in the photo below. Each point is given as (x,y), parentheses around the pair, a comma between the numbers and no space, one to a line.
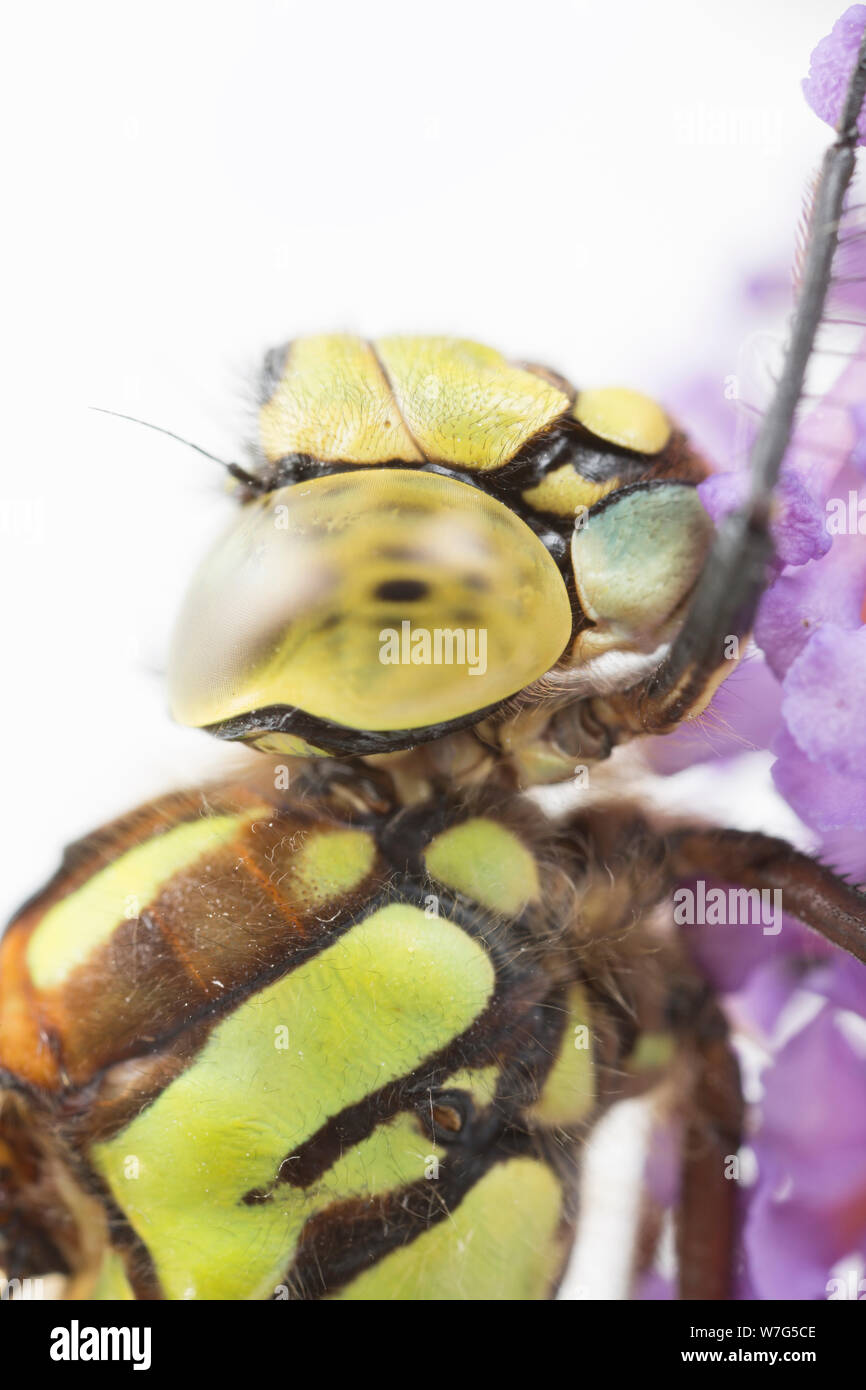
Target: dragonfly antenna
(234,469)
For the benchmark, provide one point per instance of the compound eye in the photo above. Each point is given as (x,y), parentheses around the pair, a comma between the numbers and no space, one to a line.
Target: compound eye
(636,559)
(383,600)
(625,418)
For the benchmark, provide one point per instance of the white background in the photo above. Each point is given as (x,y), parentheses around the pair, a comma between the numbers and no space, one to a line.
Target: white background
(584,184)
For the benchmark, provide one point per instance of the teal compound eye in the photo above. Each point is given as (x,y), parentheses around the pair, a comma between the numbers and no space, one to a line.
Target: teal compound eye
(636,556)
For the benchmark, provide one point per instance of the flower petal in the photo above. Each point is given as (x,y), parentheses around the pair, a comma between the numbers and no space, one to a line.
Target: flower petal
(823,704)
(823,799)
(808,1209)
(832,64)
(728,954)
(802,601)
(798,526)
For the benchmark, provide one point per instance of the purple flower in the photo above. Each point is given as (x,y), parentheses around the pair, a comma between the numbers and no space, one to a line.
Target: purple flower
(811,624)
(823,705)
(811,629)
(858,420)
(796,1002)
(828,801)
(653,1287)
(831,67)
(732,953)
(798,526)
(802,601)
(808,1210)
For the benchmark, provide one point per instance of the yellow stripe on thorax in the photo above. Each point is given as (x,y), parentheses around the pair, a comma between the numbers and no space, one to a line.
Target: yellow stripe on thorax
(486,862)
(112,1284)
(72,929)
(568,1093)
(480,1082)
(393,990)
(500,1243)
(329,863)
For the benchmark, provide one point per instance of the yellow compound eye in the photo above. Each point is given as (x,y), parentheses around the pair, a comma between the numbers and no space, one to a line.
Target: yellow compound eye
(623,417)
(381,600)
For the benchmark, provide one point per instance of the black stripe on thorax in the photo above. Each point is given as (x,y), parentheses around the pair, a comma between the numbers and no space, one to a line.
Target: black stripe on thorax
(515,1020)
(351,1237)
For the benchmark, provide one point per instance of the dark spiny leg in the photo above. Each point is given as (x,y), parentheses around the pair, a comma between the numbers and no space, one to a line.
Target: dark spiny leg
(712,1117)
(726,596)
(651,861)
(48,1223)
(627,870)
(701,1095)
(810,892)
(618,845)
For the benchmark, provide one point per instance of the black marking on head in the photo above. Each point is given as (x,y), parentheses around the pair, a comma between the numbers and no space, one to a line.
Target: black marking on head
(645,485)
(565,441)
(402,590)
(339,738)
(478,582)
(403,553)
